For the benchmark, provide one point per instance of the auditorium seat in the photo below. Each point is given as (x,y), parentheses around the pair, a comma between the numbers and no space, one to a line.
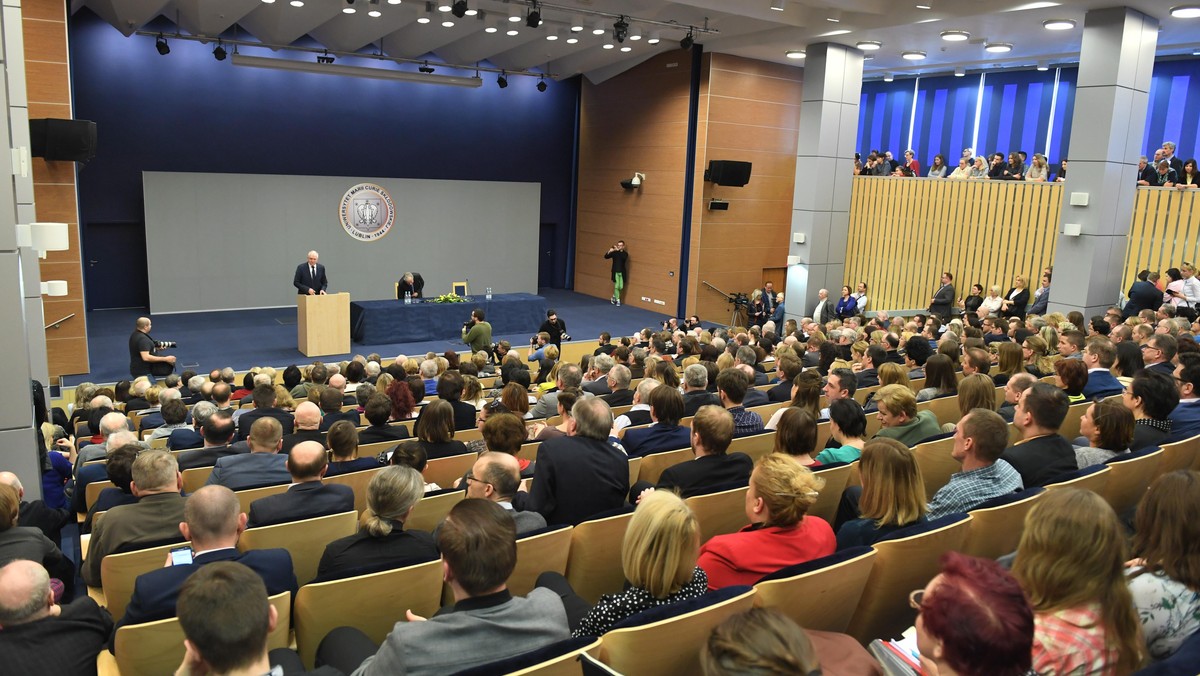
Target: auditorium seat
(557,659)
(1070,424)
(305,540)
(820,594)
(907,560)
(1130,476)
(944,408)
(195,478)
(666,640)
(446,472)
(720,512)
(836,476)
(249,495)
(372,603)
(92,492)
(1179,455)
(1093,478)
(120,571)
(357,481)
(159,442)
(997,525)
(653,465)
(156,648)
(594,562)
(936,463)
(755,445)
(635,468)
(373,450)
(431,509)
(544,550)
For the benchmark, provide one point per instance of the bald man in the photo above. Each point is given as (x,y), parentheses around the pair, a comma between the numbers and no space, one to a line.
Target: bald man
(496,477)
(307,498)
(42,637)
(308,424)
(37,514)
(142,358)
(310,277)
(212,523)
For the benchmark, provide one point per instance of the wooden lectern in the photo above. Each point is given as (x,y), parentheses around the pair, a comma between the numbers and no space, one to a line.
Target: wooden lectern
(323,324)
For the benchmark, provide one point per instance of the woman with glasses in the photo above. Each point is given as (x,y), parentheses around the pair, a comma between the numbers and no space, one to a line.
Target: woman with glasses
(1071,564)
(1108,428)
(973,618)
(489,409)
(1151,397)
(1036,362)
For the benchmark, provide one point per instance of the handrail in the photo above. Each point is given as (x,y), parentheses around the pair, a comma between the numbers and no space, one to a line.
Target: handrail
(57,324)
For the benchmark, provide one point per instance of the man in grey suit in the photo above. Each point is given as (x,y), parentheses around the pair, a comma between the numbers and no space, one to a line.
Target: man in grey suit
(943,298)
(496,477)
(262,466)
(486,623)
(596,381)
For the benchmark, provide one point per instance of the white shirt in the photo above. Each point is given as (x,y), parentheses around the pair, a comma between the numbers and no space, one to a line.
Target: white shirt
(1191,290)
(819,309)
(623,421)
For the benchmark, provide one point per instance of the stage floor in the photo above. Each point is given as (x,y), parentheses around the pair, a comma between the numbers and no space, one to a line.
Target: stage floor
(246,338)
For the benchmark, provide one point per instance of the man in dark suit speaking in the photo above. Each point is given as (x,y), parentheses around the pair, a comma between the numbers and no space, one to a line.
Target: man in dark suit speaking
(310,277)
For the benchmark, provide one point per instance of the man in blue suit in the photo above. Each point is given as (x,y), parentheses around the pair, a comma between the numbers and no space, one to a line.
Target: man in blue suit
(213,522)
(1143,295)
(262,466)
(1185,419)
(310,277)
(1098,356)
(307,498)
(666,434)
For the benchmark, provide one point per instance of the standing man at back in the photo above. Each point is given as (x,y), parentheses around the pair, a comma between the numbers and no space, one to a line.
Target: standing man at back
(620,268)
(943,298)
(310,277)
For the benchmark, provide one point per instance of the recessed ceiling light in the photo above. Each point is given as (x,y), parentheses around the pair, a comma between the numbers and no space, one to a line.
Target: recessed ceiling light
(1058,24)
(956,36)
(998,47)
(1186,11)
(572,40)
(447,24)
(869,45)
(551,36)
(924,5)
(394,2)
(512,31)
(832,19)
(297,3)
(348,10)
(490,29)
(960,72)
(609,45)
(627,48)
(913,55)
(422,19)
(515,18)
(268,2)
(887,77)
(795,54)
(445,7)
(777,5)
(1043,66)
(1032,5)
(374,14)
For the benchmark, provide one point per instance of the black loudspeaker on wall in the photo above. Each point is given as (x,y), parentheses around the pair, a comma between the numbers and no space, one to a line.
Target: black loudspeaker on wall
(63,140)
(728,172)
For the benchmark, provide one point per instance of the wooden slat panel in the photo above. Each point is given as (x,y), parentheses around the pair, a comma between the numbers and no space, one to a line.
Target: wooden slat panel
(1165,231)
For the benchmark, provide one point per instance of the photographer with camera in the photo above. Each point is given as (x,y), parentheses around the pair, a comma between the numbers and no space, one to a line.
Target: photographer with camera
(477,333)
(555,327)
(142,358)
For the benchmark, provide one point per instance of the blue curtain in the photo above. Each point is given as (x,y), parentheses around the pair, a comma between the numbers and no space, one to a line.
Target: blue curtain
(884,118)
(1064,109)
(1174,110)
(945,118)
(1016,111)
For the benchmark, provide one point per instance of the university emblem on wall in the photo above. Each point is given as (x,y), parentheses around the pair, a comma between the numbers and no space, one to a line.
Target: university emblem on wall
(367,212)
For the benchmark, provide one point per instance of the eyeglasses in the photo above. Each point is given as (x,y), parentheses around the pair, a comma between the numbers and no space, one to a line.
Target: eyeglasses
(915,598)
(471,478)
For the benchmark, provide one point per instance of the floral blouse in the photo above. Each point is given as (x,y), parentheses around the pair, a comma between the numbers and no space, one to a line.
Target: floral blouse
(1170,612)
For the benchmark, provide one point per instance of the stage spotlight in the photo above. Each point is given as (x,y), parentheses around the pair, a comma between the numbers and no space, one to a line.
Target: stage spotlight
(687,41)
(501,80)
(425,68)
(325,58)
(541,85)
(219,53)
(620,29)
(459,8)
(161,45)
(534,18)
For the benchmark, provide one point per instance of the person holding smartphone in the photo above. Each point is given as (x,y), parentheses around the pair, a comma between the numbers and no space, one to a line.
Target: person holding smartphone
(620,269)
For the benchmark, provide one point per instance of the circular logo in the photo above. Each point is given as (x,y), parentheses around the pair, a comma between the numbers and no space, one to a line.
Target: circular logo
(367,212)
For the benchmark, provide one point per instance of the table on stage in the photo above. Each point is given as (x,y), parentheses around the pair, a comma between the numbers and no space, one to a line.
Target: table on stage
(375,322)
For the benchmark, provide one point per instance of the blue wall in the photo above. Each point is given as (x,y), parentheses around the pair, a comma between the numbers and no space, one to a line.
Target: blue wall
(188,112)
(946,118)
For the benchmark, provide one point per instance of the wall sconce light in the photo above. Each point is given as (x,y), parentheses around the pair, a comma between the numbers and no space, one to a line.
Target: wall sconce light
(635,182)
(43,237)
(54,287)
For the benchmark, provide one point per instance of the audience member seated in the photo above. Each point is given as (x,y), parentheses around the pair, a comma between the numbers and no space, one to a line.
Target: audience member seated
(873,358)
(841,384)
(308,427)
(1016,386)
(665,433)
(40,636)
(788,367)
(1042,453)
(979,440)
(1071,564)
(847,431)
(1099,356)
(307,497)
(569,376)
(496,476)
(262,466)
(1071,376)
(619,394)
(712,432)
(892,495)
(579,476)
(217,442)
(731,388)
(37,514)
(695,390)
(1037,362)
(24,542)
(378,412)
(796,436)
(264,407)
(486,623)
(1153,397)
(658,557)
(382,543)
(343,450)
(212,522)
(779,534)
(1164,579)
(940,379)
(153,520)
(805,389)
(899,418)
(1185,418)
(1107,427)
(505,433)
(435,433)
(889,374)
(332,401)
(192,437)
(639,412)
(173,415)
(1158,352)
(973,618)
(119,469)
(765,641)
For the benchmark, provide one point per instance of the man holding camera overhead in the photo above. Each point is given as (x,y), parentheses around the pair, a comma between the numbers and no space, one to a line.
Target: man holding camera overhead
(142,360)
(477,333)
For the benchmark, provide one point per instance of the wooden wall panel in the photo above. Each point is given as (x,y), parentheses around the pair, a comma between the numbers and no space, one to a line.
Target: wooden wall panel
(47,77)
(1165,231)
(905,232)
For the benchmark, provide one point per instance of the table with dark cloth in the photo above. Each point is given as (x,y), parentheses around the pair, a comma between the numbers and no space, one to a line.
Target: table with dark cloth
(391,321)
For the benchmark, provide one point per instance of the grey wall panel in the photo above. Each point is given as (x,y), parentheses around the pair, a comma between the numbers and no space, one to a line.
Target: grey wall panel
(229,241)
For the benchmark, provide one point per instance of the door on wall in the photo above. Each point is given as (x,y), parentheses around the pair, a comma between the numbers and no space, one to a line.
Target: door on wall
(114,266)
(546,242)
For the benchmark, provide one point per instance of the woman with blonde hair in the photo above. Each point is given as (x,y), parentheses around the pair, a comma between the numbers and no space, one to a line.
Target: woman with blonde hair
(779,535)
(658,557)
(765,642)
(890,373)
(992,303)
(1009,362)
(382,543)
(1071,564)
(806,395)
(724,361)
(283,399)
(893,494)
(974,391)
(1036,362)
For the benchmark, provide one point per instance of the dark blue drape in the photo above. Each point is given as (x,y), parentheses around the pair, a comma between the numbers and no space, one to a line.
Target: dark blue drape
(1174,110)
(885,115)
(945,118)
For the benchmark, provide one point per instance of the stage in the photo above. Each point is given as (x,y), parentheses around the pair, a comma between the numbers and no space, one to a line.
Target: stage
(391,321)
(246,338)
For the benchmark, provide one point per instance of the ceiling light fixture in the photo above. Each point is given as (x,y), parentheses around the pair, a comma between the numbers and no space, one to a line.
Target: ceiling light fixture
(394,2)
(459,8)
(490,29)
(913,55)
(219,52)
(777,5)
(268,2)
(541,85)
(887,77)
(635,34)
(1186,12)
(956,36)
(627,48)
(515,15)
(512,32)
(425,68)
(572,40)
(534,18)
(445,7)
(959,72)
(620,29)
(576,25)
(374,14)
(1058,24)
(599,28)
(325,58)
(552,35)
(502,80)
(447,24)
(998,47)
(161,45)
(795,54)
(609,45)
(869,45)
(1043,66)
(348,10)
(655,38)
(924,5)
(687,41)
(296,3)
